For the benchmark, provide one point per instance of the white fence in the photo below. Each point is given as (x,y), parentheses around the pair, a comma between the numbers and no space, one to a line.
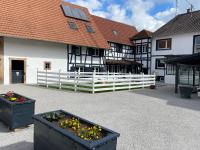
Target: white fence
(94,82)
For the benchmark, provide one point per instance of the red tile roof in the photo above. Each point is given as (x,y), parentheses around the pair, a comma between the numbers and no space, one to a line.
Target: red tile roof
(45,20)
(142,35)
(124,32)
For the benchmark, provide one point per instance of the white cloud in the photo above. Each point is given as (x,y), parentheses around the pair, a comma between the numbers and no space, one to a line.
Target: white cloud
(136,12)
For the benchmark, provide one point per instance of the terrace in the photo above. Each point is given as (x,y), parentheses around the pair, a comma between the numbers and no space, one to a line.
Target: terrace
(146,119)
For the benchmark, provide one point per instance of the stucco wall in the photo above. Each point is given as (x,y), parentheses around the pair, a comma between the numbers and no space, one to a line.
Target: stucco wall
(35,53)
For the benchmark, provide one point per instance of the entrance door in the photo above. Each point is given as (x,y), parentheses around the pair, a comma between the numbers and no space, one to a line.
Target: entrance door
(17,71)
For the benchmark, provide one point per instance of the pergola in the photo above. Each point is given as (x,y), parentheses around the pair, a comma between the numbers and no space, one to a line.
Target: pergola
(187,70)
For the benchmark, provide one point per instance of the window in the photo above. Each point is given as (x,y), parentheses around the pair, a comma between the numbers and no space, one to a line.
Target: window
(170,69)
(119,48)
(197,44)
(160,63)
(76,50)
(72,25)
(144,49)
(115,32)
(89,29)
(138,49)
(94,52)
(47,65)
(164,44)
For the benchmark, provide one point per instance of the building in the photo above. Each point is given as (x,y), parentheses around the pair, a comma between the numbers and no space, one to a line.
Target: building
(120,57)
(45,35)
(143,45)
(179,37)
(56,35)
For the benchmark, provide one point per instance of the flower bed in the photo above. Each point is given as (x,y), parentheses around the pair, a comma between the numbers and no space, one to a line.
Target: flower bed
(61,130)
(16,110)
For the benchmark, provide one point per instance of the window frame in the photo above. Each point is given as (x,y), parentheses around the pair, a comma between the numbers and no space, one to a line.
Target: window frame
(45,65)
(172,69)
(194,44)
(71,25)
(156,63)
(89,29)
(166,44)
(75,51)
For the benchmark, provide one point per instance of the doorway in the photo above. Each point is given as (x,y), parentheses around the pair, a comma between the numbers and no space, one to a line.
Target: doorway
(17,72)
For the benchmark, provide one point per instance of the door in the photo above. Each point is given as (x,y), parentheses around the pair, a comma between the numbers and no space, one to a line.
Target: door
(17,71)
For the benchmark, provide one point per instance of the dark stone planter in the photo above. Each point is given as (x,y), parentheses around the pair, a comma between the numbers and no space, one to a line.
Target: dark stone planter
(186,91)
(15,114)
(48,136)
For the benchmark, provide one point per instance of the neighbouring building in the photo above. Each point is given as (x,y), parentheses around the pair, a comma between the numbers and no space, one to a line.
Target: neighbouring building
(143,45)
(179,37)
(120,57)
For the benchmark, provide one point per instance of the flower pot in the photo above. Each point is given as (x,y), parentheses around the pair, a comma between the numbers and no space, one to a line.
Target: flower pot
(50,136)
(186,91)
(16,114)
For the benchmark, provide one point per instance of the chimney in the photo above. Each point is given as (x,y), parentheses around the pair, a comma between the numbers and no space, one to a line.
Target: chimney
(188,10)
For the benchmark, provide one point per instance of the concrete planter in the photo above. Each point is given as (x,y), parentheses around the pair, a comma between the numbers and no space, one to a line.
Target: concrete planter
(15,114)
(186,91)
(49,136)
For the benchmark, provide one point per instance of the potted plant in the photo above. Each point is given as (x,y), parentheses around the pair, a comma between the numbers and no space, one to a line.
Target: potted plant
(16,110)
(61,130)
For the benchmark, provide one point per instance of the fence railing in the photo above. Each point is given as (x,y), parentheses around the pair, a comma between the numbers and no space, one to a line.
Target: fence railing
(93,81)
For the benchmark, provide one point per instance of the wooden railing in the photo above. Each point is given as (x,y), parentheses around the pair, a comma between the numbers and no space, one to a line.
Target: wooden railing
(94,82)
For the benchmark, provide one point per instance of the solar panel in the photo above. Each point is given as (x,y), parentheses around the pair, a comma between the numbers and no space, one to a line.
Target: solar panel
(82,15)
(67,11)
(74,13)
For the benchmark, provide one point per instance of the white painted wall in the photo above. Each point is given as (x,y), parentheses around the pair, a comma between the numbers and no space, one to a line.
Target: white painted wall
(36,53)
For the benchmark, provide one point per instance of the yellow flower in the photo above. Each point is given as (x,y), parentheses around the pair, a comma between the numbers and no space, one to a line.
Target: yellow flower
(13,99)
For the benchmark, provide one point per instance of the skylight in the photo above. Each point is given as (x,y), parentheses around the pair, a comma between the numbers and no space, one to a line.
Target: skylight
(89,29)
(115,32)
(72,25)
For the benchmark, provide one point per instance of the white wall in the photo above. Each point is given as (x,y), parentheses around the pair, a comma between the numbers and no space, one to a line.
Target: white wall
(181,44)
(36,53)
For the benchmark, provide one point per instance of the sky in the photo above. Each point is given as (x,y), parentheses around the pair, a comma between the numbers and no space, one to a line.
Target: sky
(143,14)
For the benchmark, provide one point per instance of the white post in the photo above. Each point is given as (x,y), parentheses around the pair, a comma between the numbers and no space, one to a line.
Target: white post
(113,82)
(154,78)
(59,80)
(75,85)
(130,81)
(143,80)
(46,79)
(93,81)
(37,77)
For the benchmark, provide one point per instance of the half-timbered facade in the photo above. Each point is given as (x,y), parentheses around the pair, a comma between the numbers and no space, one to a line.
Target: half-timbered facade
(120,57)
(86,59)
(143,44)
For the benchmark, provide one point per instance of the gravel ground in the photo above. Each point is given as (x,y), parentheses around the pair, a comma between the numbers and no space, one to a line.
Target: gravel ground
(146,119)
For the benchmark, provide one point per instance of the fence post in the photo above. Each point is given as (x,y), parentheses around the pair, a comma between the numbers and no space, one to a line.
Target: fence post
(59,79)
(75,85)
(113,82)
(154,78)
(143,80)
(37,77)
(130,81)
(46,79)
(93,81)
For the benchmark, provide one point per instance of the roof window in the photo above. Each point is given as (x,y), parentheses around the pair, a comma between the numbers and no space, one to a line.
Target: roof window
(72,25)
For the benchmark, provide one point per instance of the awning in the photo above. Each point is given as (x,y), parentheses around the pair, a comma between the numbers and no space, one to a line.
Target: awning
(122,62)
(193,59)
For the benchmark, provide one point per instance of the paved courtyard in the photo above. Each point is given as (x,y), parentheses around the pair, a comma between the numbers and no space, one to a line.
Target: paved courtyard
(146,119)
